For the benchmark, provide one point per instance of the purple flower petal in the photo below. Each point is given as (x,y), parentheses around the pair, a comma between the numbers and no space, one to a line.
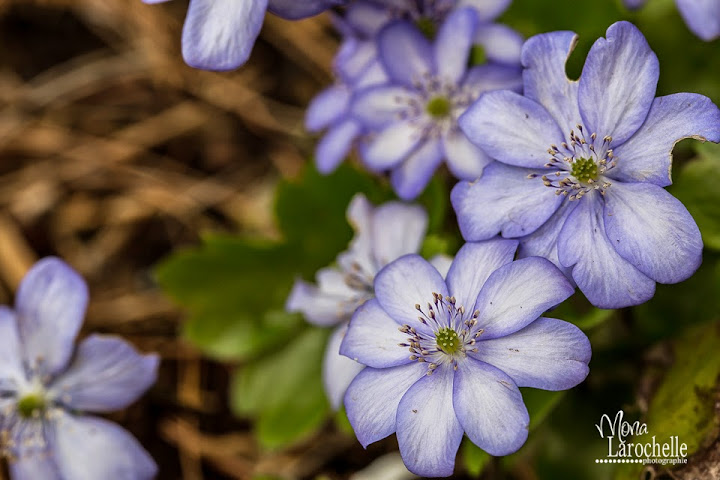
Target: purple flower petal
(89,448)
(406,282)
(220,34)
(503,201)
(380,106)
(511,128)
(106,374)
(465,160)
(702,17)
(647,156)
(618,81)
(371,419)
(338,371)
(634,4)
(391,146)
(500,43)
(484,78)
(367,18)
(428,432)
(411,177)
(354,59)
(606,279)
(548,354)
(151,2)
(327,107)
(473,264)
(397,229)
(490,408)
(544,57)
(12,372)
(517,293)
(653,231)
(487,10)
(319,307)
(336,145)
(34,466)
(442,263)
(296,9)
(373,337)
(405,53)
(453,42)
(360,252)
(50,306)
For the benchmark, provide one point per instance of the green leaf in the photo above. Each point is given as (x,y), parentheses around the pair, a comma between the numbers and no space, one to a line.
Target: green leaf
(435,201)
(540,403)
(578,311)
(474,459)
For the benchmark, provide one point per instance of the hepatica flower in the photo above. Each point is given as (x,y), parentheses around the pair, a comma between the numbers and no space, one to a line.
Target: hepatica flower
(701,16)
(46,384)
(582,165)
(447,357)
(414,116)
(220,34)
(382,234)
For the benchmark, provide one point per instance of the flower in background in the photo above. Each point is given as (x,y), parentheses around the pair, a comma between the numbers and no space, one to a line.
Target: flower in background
(220,34)
(382,234)
(582,165)
(701,16)
(45,384)
(413,117)
(445,357)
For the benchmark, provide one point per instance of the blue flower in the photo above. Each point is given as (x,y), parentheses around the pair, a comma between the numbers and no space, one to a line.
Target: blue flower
(701,16)
(447,356)
(45,384)
(582,165)
(382,234)
(413,117)
(220,34)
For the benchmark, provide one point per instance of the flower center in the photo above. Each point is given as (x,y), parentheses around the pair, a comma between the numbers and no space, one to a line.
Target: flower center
(584,169)
(438,107)
(31,405)
(447,340)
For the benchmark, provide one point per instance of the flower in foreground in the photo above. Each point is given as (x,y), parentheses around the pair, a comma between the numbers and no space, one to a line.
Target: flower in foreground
(447,357)
(382,234)
(45,384)
(582,165)
(701,16)
(414,116)
(220,34)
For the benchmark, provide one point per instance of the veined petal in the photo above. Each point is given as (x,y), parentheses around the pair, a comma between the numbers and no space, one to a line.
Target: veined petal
(106,374)
(318,307)
(89,448)
(371,419)
(549,354)
(653,231)
(11,367)
(405,53)
(327,107)
(391,146)
(488,77)
(465,160)
(453,43)
(50,306)
(397,229)
(618,82)
(472,266)
(487,10)
(490,408)
(336,145)
(511,128)
(647,156)
(220,34)
(294,9)
(338,370)
(34,466)
(606,279)
(504,200)
(544,57)
(379,106)
(500,43)
(702,17)
(517,293)
(411,177)
(428,432)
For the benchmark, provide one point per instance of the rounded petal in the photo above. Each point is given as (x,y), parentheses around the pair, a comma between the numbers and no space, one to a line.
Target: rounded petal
(404,283)
(653,231)
(338,370)
(391,146)
(360,252)
(106,374)
(517,293)
(12,371)
(371,419)
(428,432)
(453,43)
(488,77)
(34,466)
(618,82)
(319,307)
(373,337)
(336,145)
(220,34)
(549,354)
(465,160)
(89,448)
(487,10)
(442,263)
(50,306)
(606,279)
(544,57)
(511,128)
(405,53)
(647,156)
(294,9)
(472,266)
(327,107)
(367,18)
(504,200)
(379,106)
(490,408)
(410,178)
(397,229)
(500,43)
(702,17)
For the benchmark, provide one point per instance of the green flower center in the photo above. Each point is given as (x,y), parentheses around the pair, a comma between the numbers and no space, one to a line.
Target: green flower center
(438,107)
(427,27)
(31,405)
(584,169)
(447,340)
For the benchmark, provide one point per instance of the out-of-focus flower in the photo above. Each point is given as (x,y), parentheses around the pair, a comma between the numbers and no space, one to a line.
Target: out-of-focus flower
(582,165)
(45,384)
(701,16)
(382,234)
(445,357)
(220,34)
